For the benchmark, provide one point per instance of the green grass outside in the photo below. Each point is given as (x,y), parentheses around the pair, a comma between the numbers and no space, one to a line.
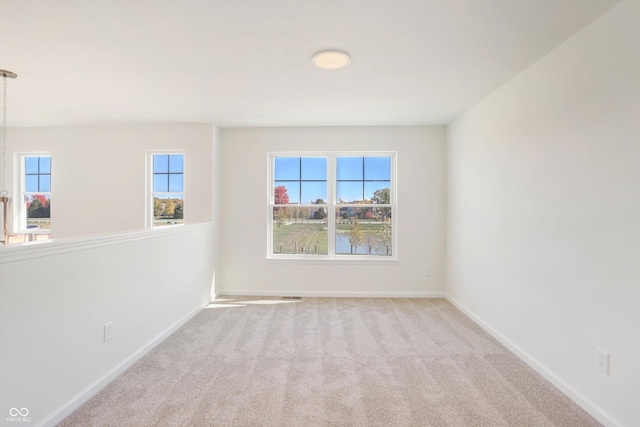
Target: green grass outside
(365,227)
(307,235)
(157,222)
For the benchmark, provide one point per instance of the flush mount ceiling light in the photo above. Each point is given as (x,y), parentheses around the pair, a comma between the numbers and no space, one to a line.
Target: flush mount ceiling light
(331,59)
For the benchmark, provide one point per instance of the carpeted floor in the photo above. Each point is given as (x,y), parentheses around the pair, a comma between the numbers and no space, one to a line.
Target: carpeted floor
(330,362)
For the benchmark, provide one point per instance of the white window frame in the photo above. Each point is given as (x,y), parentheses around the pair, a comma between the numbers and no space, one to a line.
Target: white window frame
(20,189)
(331,205)
(149,193)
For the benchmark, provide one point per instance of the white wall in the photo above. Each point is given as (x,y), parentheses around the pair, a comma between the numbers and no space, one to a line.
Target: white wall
(242,264)
(543,213)
(216,166)
(55,297)
(98,178)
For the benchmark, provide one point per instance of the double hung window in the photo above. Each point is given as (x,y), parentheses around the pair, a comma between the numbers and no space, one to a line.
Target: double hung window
(167,189)
(332,205)
(35,182)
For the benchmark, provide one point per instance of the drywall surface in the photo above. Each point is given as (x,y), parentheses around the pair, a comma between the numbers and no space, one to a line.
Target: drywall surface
(543,204)
(216,163)
(99,172)
(242,265)
(56,296)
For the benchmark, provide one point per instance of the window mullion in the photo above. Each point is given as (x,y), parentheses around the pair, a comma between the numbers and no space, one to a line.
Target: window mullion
(363,175)
(300,180)
(331,205)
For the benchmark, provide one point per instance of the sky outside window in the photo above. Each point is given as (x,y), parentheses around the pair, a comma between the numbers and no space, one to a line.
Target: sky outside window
(305,178)
(168,173)
(37,174)
(358,178)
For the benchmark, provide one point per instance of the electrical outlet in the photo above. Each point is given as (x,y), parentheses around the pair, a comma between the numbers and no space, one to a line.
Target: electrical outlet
(427,273)
(603,361)
(107,331)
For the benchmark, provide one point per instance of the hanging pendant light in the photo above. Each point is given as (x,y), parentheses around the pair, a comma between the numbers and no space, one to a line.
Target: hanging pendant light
(5,200)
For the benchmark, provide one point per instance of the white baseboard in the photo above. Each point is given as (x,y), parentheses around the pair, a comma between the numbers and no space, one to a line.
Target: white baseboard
(330,294)
(594,410)
(75,402)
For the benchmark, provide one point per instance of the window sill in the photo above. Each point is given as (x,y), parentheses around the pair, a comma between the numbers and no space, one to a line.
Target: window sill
(163,227)
(34,231)
(346,259)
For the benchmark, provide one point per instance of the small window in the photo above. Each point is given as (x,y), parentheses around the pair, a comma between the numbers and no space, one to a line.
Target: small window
(167,189)
(35,212)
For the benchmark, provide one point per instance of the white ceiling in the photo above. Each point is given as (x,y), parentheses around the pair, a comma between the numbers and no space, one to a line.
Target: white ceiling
(248,62)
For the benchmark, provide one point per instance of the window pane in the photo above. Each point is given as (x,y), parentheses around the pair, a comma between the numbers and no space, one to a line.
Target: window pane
(160,163)
(287,168)
(31,183)
(160,183)
(362,231)
(300,231)
(176,163)
(38,208)
(349,192)
(31,164)
(378,192)
(312,191)
(378,168)
(45,183)
(168,210)
(45,164)
(291,193)
(314,168)
(176,182)
(349,168)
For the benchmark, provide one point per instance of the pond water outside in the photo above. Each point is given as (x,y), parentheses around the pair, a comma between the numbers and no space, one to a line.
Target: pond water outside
(344,247)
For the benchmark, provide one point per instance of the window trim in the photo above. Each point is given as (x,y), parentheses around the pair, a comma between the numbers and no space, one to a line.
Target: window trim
(331,205)
(149,219)
(20,190)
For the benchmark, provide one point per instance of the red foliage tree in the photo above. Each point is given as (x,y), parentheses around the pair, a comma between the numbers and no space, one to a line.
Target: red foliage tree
(280,195)
(43,199)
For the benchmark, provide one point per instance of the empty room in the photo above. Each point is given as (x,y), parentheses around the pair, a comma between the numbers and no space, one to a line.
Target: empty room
(320,213)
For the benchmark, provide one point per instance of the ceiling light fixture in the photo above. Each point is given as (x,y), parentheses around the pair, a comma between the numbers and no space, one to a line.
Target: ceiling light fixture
(331,59)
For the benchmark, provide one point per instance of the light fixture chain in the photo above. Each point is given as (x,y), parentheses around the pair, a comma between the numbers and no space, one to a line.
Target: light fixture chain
(4,137)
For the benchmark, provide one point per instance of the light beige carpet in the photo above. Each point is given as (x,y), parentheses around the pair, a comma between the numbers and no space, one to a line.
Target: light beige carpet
(330,362)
